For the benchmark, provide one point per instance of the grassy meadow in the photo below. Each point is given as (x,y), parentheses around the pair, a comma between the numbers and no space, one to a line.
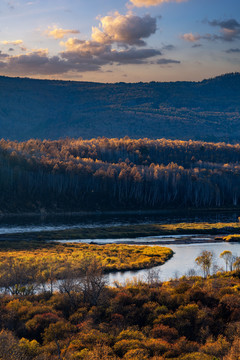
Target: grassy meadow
(110,257)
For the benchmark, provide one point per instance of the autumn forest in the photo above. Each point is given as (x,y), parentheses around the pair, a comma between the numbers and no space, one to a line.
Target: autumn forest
(115,174)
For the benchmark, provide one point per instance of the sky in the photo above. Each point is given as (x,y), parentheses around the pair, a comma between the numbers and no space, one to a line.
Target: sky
(119,40)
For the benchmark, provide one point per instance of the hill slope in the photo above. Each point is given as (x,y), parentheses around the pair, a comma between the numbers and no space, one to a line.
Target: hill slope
(207,110)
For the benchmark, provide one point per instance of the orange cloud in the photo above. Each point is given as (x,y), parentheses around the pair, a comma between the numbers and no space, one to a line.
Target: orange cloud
(85,48)
(119,39)
(148,3)
(14,42)
(191,37)
(124,29)
(58,33)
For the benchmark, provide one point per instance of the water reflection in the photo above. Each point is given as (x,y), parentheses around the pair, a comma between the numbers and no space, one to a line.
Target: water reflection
(181,263)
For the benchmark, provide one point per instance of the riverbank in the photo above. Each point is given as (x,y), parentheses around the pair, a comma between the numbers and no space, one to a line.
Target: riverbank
(58,213)
(130,232)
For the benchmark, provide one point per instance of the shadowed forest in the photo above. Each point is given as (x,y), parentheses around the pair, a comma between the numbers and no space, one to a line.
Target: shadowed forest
(207,110)
(117,174)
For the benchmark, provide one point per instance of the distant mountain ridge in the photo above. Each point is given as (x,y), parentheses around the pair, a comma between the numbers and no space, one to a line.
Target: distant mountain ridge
(208,110)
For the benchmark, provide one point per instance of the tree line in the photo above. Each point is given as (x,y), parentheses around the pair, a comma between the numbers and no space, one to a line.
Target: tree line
(110,174)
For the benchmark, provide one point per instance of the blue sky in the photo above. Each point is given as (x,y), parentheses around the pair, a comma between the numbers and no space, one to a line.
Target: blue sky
(108,41)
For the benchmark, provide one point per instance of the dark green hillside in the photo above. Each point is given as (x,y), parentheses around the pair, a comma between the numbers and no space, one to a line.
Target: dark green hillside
(207,110)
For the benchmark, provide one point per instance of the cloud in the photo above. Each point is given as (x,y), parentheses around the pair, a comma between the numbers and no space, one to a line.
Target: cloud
(233,51)
(196,37)
(91,59)
(58,33)
(130,56)
(14,42)
(84,48)
(230,29)
(191,37)
(2,55)
(33,63)
(11,6)
(90,52)
(148,3)
(168,47)
(117,41)
(167,61)
(124,29)
(230,24)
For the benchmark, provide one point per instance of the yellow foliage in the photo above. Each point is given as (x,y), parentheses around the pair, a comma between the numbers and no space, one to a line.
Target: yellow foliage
(111,257)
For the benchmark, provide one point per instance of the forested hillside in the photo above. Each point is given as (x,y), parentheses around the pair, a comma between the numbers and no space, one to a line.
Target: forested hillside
(117,174)
(207,110)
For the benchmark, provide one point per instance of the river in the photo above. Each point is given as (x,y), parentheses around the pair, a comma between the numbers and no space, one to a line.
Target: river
(182,262)
(23,223)
(184,255)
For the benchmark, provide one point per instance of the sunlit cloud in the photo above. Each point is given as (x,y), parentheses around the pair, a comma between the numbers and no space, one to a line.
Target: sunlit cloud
(84,48)
(96,53)
(148,3)
(118,40)
(191,37)
(124,29)
(229,31)
(14,42)
(79,57)
(127,31)
(58,33)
